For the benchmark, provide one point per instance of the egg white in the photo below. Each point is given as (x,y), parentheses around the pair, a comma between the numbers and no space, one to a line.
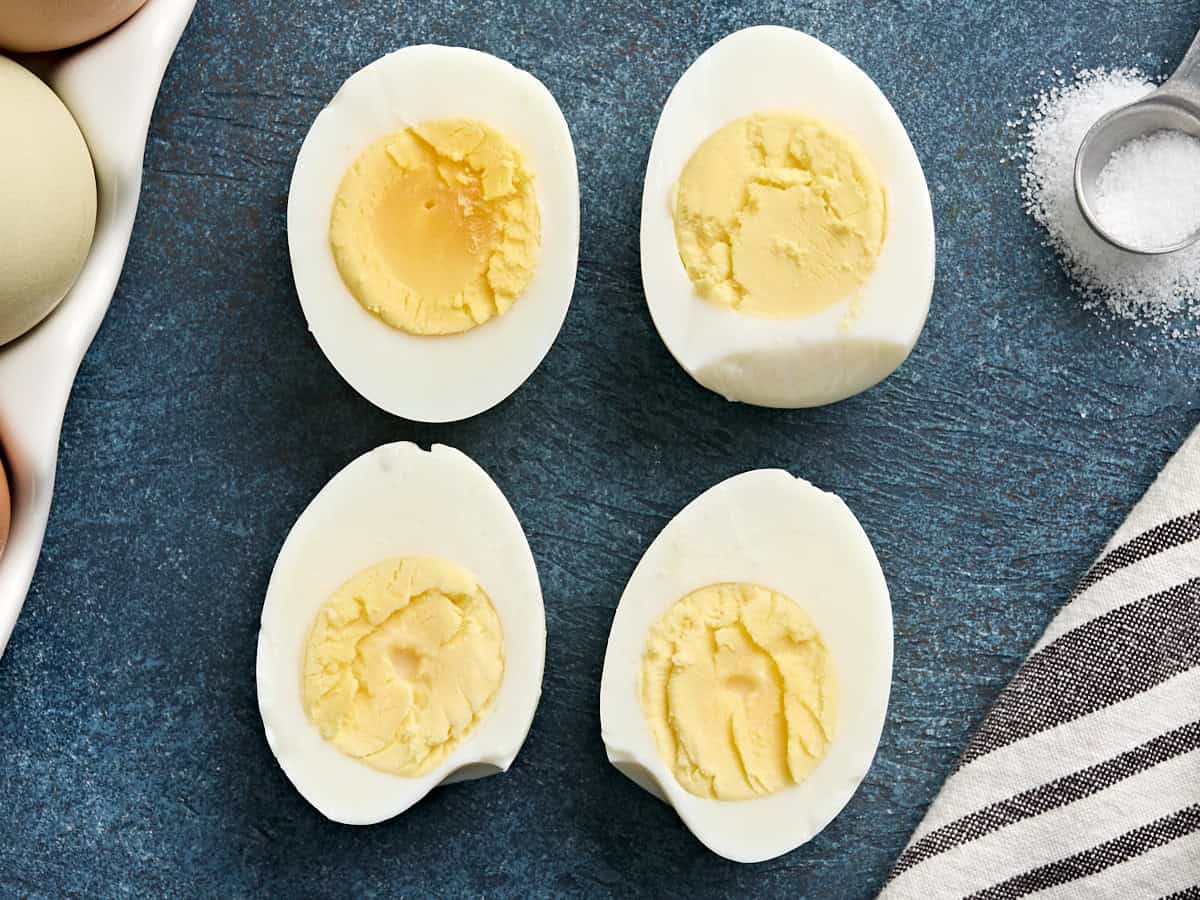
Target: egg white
(853,344)
(763,527)
(451,377)
(398,501)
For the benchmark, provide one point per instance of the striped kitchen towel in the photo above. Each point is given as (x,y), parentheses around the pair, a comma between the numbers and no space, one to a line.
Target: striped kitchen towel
(1084,779)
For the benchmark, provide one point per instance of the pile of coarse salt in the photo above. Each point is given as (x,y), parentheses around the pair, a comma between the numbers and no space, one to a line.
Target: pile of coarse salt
(1148,195)
(1145,289)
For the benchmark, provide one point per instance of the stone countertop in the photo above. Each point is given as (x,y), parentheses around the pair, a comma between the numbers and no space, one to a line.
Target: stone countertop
(987,471)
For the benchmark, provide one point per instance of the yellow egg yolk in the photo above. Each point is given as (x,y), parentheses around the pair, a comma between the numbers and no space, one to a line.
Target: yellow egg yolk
(435,229)
(739,692)
(402,662)
(779,215)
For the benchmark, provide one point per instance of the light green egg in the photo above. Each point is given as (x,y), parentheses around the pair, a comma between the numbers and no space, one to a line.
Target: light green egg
(47,201)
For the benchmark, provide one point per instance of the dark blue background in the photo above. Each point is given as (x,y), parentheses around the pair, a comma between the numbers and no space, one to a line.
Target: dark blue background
(987,471)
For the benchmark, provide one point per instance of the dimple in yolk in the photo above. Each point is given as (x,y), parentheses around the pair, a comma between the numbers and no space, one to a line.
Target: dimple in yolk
(436,229)
(456,230)
(738,691)
(402,662)
(780,216)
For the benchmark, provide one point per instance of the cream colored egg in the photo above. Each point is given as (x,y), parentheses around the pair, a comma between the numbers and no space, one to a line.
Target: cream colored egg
(399,502)
(32,26)
(447,376)
(769,529)
(47,201)
(843,348)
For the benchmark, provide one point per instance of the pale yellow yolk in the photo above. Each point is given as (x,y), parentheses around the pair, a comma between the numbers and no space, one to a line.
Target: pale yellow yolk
(779,215)
(435,229)
(739,692)
(402,662)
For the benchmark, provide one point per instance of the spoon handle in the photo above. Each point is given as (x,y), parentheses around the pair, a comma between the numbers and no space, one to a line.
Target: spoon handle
(1186,79)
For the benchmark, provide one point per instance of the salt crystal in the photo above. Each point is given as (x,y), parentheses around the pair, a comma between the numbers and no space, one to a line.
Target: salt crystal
(1140,288)
(1148,196)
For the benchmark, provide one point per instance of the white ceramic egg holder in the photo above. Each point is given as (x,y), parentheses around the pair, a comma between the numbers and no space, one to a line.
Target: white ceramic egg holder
(110,86)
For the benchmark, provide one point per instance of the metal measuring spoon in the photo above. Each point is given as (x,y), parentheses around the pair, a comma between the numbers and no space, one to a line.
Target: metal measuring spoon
(1174,106)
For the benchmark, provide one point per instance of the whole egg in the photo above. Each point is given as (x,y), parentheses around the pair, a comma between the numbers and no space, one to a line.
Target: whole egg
(32,26)
(47,201)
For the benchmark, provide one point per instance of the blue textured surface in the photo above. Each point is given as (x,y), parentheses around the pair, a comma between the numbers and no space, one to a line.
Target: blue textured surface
(987,471)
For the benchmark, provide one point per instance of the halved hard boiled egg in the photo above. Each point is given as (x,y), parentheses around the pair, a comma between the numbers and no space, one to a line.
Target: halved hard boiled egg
(403,635)
(787,235)
(433,224)
(748,668)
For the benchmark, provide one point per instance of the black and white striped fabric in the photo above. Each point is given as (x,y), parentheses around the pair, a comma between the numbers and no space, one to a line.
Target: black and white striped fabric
(1084,779)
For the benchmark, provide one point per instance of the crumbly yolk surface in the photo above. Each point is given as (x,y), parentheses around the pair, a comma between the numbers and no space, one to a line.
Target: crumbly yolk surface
(779,215)
(739,692)
(402,662)
(435,229)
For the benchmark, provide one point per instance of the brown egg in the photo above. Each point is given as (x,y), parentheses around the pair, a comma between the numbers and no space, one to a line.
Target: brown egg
(29,26)
(5,507)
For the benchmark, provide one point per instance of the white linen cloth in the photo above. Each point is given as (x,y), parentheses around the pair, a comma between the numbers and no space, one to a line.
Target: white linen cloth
(1084,779)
